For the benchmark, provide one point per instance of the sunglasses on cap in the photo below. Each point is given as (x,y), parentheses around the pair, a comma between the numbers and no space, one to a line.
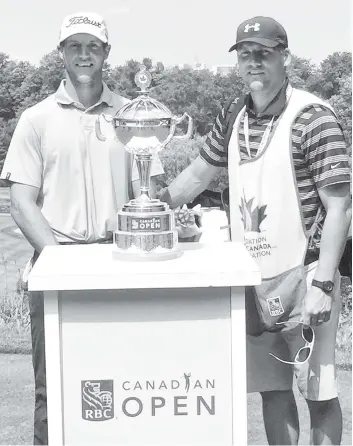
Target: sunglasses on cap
(304,352)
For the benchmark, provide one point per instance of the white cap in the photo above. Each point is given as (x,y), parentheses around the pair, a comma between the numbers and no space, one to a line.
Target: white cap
(85,23)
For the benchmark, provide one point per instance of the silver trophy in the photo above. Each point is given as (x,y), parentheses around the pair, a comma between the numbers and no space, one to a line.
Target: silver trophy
(145,226)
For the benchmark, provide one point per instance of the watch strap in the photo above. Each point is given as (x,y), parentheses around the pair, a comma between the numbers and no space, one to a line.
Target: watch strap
(321,285)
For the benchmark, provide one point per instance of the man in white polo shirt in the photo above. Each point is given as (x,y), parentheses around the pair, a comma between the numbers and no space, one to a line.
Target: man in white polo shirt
(66,185)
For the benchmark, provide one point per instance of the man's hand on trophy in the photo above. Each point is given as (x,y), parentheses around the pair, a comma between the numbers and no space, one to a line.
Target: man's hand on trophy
(188,223)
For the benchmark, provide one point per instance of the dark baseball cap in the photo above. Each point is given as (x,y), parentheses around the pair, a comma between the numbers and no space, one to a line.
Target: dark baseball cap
(263,30)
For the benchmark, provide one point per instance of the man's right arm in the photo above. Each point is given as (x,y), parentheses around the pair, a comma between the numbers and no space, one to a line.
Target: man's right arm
(23,169)
(190,183)
(199,174)
(29,218)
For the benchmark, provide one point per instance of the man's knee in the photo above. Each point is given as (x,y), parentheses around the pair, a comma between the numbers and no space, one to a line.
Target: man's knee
(326,421)
(321,408)
(274,396)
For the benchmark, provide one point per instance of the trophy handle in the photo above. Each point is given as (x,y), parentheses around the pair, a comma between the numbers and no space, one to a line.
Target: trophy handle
(188,134)
(99,133)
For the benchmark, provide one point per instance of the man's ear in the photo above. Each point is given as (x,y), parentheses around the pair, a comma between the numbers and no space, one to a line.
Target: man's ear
(106,51)
(287,57)
(60,51)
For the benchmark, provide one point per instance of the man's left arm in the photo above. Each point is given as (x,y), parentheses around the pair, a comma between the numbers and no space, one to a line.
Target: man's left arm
(336,200)
(329,161)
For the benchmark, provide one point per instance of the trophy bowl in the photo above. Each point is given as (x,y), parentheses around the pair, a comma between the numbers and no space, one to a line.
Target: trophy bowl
(144,124)
(145,226)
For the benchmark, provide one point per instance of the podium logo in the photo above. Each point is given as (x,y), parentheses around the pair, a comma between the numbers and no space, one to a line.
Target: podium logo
(177,397)
(187,377)
(97,400)
(275,306)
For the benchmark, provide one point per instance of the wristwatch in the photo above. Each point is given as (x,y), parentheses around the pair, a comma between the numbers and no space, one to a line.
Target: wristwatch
(326,286)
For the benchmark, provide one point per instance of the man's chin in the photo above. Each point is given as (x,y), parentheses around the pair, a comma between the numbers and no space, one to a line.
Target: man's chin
(84,79)
(256,86)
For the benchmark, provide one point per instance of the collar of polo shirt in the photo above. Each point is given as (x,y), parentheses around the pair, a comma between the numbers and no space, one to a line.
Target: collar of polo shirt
(63,97)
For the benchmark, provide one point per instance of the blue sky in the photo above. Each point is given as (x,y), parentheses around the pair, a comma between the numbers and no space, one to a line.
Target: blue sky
(176,31)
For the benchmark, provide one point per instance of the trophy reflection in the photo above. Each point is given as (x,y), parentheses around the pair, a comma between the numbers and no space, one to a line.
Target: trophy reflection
(145,226)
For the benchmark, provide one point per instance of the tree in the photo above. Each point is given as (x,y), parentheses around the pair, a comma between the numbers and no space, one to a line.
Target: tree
(41,81)
(327,80)
(179,154)
(6,67)
(199,93)
(123,77)
(159,68)
(12,75)
(342,103)
(107,76)
(147,62)
(6,130)
(300,71)
(52,71)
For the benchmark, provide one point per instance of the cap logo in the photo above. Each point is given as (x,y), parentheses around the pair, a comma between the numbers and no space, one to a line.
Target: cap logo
(82,20)
(255,27)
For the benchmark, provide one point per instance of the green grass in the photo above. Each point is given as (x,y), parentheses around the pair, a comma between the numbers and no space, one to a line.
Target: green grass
(14,341)
(15,323)
(17,393)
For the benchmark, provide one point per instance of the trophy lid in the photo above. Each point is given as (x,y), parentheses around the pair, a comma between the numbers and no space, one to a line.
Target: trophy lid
(143,108)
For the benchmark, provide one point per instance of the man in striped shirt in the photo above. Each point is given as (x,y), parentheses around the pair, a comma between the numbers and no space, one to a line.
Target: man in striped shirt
(321,177)
(319,151)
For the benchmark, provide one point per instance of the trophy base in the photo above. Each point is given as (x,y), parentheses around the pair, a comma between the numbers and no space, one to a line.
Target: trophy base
(146,231)
(149,245)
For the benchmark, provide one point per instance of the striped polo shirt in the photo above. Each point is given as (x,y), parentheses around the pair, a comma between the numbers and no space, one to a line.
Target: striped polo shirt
(319,150)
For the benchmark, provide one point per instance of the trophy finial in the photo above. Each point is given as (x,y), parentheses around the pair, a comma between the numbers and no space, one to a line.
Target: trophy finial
(143,79)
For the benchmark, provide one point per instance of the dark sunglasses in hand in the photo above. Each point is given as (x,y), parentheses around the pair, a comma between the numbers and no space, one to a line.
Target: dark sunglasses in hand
(304,352)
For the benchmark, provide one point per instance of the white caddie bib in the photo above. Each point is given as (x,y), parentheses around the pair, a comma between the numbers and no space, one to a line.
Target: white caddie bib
(265,205)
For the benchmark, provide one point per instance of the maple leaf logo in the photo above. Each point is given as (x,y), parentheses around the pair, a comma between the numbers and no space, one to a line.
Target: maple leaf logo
(252,219)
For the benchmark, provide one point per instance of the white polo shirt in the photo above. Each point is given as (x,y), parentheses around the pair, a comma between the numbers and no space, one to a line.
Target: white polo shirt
(83,182)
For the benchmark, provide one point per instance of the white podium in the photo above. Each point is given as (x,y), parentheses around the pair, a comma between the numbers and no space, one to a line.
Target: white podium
(145,353)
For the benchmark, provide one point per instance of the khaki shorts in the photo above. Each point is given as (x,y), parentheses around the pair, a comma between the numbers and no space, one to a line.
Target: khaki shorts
(316,379)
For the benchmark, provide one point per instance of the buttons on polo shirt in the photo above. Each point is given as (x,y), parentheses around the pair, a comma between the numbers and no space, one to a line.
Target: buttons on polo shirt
(88,121)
